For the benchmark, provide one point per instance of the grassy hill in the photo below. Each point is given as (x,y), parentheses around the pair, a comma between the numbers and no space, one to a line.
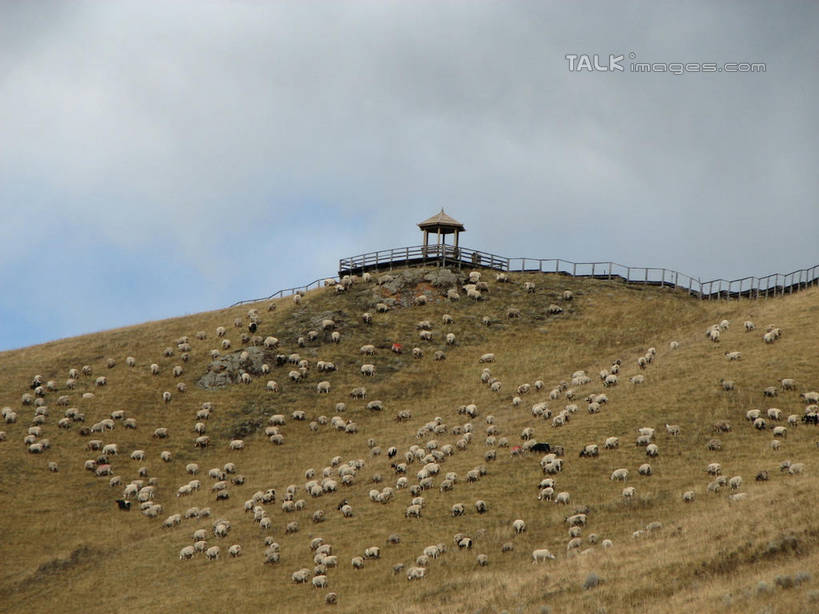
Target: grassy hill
(66,546)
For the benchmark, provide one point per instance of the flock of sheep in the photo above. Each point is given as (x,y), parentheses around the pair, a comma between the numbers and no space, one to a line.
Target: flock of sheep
(419,469)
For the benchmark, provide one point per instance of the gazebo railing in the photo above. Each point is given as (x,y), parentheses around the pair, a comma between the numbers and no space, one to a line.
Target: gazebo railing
(446,255)
(775,284)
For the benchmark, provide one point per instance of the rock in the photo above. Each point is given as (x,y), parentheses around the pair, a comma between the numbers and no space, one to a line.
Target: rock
(225,370)
(443,278)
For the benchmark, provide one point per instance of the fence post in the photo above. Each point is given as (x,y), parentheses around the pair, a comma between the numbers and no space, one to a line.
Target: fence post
(574,269)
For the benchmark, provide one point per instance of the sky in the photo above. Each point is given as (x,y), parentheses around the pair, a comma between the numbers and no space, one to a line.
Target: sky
(165,158)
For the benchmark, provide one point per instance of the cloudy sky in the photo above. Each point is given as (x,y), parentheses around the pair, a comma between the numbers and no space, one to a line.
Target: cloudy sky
(164,158)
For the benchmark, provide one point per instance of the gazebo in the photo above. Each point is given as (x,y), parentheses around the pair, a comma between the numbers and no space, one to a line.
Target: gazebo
(441,224)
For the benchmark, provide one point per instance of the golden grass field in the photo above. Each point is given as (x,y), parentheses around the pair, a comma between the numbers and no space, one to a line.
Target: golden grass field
(65,547)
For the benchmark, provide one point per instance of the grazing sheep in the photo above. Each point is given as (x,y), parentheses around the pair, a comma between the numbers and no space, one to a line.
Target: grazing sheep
(713,469)
(519,526)
(620,474)
(688,496)
(415,573)
(810,397)
(186,553)
(212,553)
(541,555)
(796,468)
(562,497)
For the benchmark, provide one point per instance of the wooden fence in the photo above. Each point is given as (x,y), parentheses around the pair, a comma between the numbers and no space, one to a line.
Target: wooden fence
(766,286)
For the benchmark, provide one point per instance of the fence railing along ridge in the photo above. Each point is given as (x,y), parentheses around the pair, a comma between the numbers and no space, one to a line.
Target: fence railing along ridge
(751,286)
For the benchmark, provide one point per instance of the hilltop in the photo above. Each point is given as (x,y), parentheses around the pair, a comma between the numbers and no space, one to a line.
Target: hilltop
(67,547)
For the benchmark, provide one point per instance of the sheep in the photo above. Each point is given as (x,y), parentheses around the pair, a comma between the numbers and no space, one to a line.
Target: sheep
(415,573)
(487,358)
(774,414)
(212,553)
(810,397)
(541,555)
(619,474)
(645,469)
(562,497)
(519,526)
(796,468)
(373,552)
(236,444)
(186,553)
(688,496)
(735,482)
(589,451)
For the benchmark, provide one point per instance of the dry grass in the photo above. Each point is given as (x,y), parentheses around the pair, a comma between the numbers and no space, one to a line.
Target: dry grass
(67,548)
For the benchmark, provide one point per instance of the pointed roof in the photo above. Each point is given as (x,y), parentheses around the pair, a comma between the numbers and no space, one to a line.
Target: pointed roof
(444,222)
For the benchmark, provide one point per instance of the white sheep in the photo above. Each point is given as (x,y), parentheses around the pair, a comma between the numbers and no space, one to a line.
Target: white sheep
(541,555)
(186,553)
(620,474)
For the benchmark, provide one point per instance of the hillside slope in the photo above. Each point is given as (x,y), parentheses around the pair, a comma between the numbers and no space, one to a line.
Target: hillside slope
(66,547)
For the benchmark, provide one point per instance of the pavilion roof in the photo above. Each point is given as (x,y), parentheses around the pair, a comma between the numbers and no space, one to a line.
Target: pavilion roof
(443,221)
